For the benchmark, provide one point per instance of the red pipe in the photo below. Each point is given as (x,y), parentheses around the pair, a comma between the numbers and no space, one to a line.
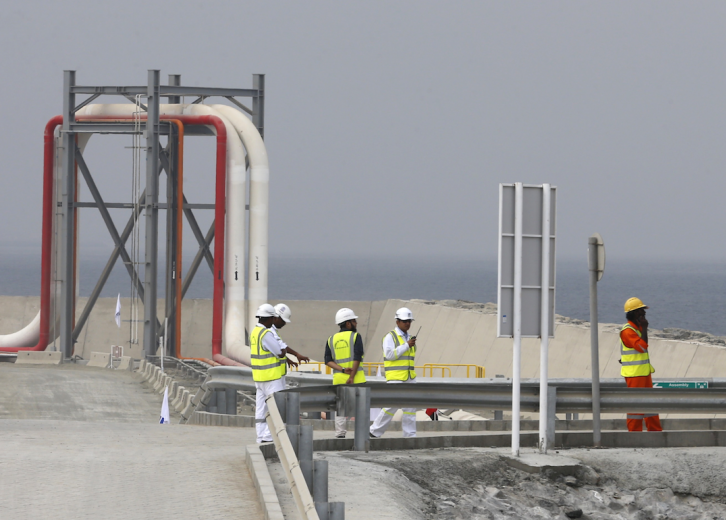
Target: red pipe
(219,210)
(47,236)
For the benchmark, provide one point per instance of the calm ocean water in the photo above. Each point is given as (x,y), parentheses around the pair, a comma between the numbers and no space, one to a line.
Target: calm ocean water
(689,296)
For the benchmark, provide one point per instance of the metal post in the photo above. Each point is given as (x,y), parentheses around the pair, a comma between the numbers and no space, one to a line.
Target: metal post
(517,332)
(281,402)
(68,187)
(320,481)
(336,510)
(551,417)
(258,103)
(231,401)
(305,453)
(170,274)
(544,318)
(151,211)
(498,414)
(293,433)
(592,246)
(221,401)
(212,403)
(293,408)
(362,439)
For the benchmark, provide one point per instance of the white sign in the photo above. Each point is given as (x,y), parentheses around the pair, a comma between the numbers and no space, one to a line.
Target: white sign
(530,216)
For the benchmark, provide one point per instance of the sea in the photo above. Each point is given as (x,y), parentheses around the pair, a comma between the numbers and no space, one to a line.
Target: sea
(682,295)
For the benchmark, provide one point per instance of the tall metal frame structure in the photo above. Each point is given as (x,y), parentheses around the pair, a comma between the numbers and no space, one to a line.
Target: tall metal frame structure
(158,159)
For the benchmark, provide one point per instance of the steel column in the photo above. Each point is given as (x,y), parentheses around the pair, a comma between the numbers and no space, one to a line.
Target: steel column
(258,103)
(592,247)
(170,300)
(68,190)
(151,213)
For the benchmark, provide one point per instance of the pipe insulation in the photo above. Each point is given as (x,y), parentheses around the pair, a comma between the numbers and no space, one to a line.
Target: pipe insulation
(239,130)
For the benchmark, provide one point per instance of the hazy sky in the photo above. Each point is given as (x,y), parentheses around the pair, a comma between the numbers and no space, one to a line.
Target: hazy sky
(389,125)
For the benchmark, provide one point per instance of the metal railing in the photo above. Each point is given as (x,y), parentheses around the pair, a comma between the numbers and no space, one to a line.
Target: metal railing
(370,368)
(569,395)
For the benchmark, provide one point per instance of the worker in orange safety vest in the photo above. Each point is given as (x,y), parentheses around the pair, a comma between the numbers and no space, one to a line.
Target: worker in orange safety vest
(635,361)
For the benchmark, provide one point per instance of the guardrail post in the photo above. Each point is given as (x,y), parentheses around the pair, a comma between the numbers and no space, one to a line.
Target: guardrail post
(212,403)
(362,418)
(293,432)
(320,481)
(498,414)
(281,403)
(305,453)
(292,414)
(551,417)
(221,396)
(231,401)
(330,510)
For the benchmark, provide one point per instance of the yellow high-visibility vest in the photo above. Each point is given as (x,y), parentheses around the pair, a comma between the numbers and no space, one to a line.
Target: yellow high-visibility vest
(634,363)
(402,368)
(266,366)
(341,348)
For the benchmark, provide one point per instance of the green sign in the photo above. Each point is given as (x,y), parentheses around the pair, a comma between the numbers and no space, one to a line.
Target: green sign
(680,384)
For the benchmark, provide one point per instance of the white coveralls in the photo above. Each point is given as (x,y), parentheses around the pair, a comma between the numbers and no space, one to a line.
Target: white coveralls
(380,425)
(265,389)
(283,345)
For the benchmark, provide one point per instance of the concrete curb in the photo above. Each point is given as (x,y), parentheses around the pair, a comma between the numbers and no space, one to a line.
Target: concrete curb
(263,483)
(30,357)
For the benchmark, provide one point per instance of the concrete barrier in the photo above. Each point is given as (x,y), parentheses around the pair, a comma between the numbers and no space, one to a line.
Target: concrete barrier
(126,363)
(177,401)
(99,359)
(27,357)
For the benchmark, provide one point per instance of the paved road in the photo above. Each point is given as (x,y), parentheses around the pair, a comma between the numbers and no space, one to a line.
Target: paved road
(112,459)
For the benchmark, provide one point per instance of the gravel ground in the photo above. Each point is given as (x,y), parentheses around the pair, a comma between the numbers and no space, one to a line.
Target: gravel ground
(478,483)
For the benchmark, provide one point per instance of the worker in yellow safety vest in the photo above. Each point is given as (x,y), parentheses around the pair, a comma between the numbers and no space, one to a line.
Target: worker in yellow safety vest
(635,361)
(268,362)
(344,354)
(399,352)
(284,316)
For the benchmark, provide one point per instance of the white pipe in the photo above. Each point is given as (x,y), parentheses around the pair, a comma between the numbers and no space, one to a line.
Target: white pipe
(28,336)
(517,324)
(544,321)
(234,335)
(259,213)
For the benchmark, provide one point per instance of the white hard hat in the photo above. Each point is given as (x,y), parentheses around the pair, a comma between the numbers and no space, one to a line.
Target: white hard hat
(344,315)
(266,311)
(283,311)
(404,313)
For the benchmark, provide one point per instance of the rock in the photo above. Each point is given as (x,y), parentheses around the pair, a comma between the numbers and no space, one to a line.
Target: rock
(573,513)
(494,492)
(587,475)
(626,500)
(572,481)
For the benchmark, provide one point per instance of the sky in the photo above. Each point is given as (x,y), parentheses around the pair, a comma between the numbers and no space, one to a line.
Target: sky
(389,125)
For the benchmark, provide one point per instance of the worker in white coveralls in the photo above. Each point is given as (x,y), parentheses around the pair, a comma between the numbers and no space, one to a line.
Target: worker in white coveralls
(399,351)
(284,315)
(344,354)
(268,366)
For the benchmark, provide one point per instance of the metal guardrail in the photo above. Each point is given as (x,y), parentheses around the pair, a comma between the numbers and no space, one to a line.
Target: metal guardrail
(568,395)
(370,368)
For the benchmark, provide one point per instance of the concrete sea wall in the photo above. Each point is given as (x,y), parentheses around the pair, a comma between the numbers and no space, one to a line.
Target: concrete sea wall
(448,335)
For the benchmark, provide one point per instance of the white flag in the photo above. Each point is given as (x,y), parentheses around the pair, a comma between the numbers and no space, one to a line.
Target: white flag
(164,418)
(118,311)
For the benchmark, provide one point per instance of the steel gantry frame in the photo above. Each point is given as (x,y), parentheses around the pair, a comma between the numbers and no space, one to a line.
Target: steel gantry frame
(158,159)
